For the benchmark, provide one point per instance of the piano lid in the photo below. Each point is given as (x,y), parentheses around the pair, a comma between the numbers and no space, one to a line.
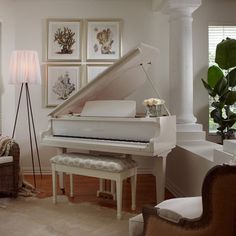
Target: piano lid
(115,83)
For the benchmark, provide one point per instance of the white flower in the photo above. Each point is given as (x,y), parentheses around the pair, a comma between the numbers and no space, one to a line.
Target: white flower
(153,101)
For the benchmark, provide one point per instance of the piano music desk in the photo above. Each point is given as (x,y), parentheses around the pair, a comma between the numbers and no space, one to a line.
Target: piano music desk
(111,168)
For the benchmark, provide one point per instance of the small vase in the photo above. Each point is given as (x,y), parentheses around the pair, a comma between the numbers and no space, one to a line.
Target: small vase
(153,111)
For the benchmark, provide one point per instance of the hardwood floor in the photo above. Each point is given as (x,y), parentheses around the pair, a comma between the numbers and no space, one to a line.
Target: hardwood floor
(85,189)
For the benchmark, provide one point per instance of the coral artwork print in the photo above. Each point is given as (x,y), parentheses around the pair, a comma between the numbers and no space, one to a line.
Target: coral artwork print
(63,86)
(65,38)
(105,40)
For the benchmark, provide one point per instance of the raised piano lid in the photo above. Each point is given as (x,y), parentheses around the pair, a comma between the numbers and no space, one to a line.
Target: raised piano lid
(116,83)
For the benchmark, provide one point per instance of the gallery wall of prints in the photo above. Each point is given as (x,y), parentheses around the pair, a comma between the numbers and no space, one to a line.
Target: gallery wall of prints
(77,51)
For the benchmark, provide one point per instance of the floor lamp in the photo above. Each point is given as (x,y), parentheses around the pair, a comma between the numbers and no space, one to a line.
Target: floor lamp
(24,70)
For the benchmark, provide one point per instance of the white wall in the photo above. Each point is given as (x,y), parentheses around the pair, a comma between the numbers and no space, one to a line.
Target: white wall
(28,17)
(7,92)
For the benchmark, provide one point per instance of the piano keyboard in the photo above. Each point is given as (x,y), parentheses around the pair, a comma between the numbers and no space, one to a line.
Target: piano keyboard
(127,147)
(104,139)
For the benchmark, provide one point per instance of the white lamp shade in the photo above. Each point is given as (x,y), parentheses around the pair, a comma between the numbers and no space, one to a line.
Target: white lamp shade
(24,67)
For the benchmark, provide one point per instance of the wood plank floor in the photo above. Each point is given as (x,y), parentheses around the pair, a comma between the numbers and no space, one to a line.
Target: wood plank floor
(85,189)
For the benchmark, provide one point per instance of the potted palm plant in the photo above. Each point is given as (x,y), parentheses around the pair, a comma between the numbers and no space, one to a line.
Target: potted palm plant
(221,86)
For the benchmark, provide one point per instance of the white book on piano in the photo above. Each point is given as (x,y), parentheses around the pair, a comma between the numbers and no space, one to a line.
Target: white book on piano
(109,108)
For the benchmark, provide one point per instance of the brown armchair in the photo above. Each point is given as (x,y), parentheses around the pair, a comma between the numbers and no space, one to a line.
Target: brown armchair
(9,172)
(218,216)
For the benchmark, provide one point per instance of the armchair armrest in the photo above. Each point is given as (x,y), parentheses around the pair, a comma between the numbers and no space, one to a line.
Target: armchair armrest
(9,172)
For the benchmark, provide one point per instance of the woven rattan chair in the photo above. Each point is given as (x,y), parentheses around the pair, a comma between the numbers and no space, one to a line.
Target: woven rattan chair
(9,173)
(218,216)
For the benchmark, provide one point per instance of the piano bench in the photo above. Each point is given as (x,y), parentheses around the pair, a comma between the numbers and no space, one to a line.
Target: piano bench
(103,167)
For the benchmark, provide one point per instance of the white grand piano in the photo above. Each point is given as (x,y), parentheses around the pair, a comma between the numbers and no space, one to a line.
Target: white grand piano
(100,118)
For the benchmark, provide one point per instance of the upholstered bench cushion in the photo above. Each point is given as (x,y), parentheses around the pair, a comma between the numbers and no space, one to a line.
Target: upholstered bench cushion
(111,164)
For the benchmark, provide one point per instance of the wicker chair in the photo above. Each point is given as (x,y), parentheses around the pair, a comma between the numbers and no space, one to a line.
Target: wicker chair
(218,209)
(9,173)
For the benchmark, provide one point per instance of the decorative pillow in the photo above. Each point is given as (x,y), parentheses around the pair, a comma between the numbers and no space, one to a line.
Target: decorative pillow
(177,208)
(169,215)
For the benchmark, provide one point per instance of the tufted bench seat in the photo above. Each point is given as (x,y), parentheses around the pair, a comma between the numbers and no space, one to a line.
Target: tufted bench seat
(104,167)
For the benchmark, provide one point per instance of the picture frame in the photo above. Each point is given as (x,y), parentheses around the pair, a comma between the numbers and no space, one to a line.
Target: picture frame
(93,70)
(103,39)
(62,81)
(64,39)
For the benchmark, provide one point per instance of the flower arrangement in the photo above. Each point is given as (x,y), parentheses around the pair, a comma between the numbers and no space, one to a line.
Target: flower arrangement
(153,106)
(153,102)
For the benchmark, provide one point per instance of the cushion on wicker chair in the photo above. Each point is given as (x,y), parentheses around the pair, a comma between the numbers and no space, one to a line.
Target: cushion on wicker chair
(6,159)
(9,167)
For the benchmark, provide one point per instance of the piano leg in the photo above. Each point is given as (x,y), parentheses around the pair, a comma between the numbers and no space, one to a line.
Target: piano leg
(54,185)
(101,186)
(133,190)
(71,186)
(113,189)
(61,174)
(160,173)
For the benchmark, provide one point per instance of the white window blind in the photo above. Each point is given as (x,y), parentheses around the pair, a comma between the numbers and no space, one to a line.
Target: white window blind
(215,35)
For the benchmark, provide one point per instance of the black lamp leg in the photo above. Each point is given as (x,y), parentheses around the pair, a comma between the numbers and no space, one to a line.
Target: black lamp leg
(32,119)
(17,111)
(31,145)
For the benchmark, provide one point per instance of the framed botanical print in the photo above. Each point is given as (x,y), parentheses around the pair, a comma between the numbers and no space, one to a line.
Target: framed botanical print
(61,83)
(64,39)
(103,40)
(94,70)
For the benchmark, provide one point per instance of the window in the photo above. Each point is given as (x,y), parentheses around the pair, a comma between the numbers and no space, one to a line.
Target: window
(215,35)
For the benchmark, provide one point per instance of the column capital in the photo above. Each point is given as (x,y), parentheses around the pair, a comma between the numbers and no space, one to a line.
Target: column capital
(169,6)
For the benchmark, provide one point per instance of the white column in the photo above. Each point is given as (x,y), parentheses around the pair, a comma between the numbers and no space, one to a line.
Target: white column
(181,56)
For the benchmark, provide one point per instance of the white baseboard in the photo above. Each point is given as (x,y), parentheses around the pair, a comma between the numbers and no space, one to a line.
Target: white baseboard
(37,172)
(47,171)
(145,171)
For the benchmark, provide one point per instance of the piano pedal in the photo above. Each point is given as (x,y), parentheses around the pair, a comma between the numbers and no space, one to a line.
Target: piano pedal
(105,195)
(63,191)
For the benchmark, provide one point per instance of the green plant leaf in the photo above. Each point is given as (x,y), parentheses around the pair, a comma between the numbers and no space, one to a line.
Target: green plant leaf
(231,118)
(213,75)
(224,124)
(226,54)
(231,122)
(231,98)
(219,105)
(210,91)
(216,115)
(221,86)
(232,78)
